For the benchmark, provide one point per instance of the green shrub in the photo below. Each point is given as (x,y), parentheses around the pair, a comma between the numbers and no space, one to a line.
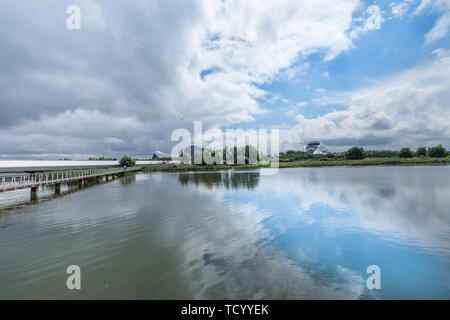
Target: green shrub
(127,161)
(354,153)
(437,152)
(405,153)
(421,152)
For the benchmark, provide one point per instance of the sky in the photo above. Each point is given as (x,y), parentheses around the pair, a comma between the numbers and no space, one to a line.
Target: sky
(374,74)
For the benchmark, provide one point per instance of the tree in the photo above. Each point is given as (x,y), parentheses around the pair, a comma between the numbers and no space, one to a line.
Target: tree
(405,153)
(251,154)
(354,153)
(102,158)
(127,161)
(437,152)
(421,151)
(381,154)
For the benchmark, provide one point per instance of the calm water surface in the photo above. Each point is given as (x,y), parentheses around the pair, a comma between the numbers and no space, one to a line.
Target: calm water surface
(301,234)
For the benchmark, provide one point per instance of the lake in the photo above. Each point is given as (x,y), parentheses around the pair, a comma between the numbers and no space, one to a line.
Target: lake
(304,233)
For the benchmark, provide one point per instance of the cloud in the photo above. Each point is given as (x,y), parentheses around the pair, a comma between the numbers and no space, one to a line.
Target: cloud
(66,90)
(400,8)
(301,104)
(374,21)
(408,109)
(293,110)
(57,133)
(294,71)
(371,20)
(326,75)
(440,52)
(440,29)
(442,25)
(437,5)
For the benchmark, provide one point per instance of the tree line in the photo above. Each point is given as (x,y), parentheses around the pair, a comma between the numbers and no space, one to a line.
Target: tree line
(358,153)
(244,155)
(102,158)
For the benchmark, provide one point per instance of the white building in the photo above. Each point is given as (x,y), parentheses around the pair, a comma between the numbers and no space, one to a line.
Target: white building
(315,147)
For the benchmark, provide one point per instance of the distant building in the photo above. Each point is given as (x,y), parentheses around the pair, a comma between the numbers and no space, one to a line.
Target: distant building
(161,155)
(315,147)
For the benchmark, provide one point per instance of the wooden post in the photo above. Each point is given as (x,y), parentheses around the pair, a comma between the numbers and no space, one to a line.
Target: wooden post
(58,188)
(34,193)
(81,183)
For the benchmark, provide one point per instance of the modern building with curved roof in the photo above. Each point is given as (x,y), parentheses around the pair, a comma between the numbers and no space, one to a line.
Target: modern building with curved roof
(315,147)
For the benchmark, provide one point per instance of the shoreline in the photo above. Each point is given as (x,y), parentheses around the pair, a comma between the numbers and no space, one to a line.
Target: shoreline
(304,164)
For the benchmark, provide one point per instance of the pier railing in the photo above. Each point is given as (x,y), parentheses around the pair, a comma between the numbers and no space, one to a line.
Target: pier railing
(36,179)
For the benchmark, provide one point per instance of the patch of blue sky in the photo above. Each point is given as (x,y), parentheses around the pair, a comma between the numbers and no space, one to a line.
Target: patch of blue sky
(207,72)
(397,46)
(323,86)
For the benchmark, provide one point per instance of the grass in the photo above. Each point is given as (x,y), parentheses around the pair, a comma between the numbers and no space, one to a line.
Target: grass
(367,162)
(303,164)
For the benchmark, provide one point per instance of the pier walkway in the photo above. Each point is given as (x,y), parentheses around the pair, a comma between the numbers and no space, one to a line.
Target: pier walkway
(34,180)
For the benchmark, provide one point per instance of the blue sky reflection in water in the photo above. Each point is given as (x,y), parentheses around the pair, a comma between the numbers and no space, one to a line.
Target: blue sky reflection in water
(335,242)
(336,231)
(301,234)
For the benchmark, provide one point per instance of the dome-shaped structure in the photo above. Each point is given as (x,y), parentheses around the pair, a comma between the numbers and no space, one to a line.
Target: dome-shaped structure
(161,155)
(315,147)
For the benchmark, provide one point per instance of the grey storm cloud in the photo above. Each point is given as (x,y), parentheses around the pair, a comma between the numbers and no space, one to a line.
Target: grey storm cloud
(69,91)
(114,68)
(48,69)
(136,71)
(368,140)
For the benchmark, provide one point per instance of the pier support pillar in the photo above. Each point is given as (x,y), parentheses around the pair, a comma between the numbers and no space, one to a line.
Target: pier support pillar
(34,193)
(81,183)
(106,178)
(58,188)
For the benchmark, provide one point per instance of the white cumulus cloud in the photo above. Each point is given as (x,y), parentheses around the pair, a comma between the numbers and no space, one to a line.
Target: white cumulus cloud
(409,109)
(157,65)
(442,26)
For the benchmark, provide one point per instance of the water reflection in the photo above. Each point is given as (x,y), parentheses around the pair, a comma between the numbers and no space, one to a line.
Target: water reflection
(337,221)
(394,202)
(300,234)
(17,198)
(332,223)
(128,179)
(222,179)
